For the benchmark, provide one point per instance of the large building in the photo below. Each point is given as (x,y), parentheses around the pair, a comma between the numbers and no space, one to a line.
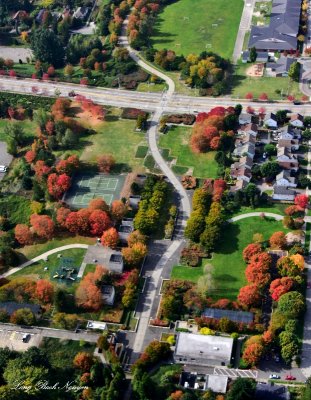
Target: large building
(281,33)
(203,349)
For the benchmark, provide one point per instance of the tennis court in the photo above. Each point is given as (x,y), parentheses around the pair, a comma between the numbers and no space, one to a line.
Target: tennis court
(88,187)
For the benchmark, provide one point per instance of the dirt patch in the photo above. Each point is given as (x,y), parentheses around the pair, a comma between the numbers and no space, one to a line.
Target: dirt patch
(255,70)
(126,190)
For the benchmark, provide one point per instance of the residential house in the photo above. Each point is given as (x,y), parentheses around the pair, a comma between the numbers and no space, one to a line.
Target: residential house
(281,33)
(292,130)
(283,193)
(280,67)
(197,381)
(296,120)
(270,121)
(287,140)
(241,169)
(203,350)
(269,391)
(284,178)
(81,13)
(244,149)
(286,159)
(239,185)
(134,201)
(108,294)
(250,129)
(262,57)
(232,315)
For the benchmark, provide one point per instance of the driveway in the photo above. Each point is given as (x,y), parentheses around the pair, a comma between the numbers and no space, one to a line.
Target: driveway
(15,53)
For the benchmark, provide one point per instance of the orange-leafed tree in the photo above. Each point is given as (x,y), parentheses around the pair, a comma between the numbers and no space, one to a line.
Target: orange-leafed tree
(134,255)
(23,234)
(118,209)
(251,250)
(98,204)
(280,286)
(83,361)
(88,294)
(44,291)
(42,225)
(105,162)
(278,240)
(58,184)
(136,237)
(253,353)
(99,222)
(110,238)
(249,295)
(301,200)
(61,216)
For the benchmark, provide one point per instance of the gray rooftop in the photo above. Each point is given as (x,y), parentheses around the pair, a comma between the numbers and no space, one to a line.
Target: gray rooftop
(281,65)
(10,307)
(236,316)
(204,346)
(217,383)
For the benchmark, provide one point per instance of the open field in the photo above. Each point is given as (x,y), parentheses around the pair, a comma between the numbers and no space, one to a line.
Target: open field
(242,84)
(228,263)
(116,137)
(193,26)
(177,141)
(35,250)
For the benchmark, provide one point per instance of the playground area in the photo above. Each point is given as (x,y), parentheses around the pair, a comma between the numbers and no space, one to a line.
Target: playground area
(255,70)
(67,270)
(87,187)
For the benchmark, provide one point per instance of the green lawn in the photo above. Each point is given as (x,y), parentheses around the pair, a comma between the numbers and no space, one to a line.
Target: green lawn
(193,26)
(35,250)
(144,87)
(177,140)
(228,263)
(116,137)
(28,126)
(53,265)
(242,84)
(276,208)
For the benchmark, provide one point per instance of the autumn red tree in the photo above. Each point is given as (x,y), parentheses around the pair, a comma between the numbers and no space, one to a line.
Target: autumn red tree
(105,162)
(302,201)
(51,70)
(134,255)
(68,166)
(251,250)
(263,97)
(98,204)
(249,295)
(61,216)
(78,221)
(88,294)
(50,127)
(41,170)
(278,240)
(118,209)
(267,337)
(30,156)
(281,286)
(23,234)
(253,353)
(58,185)
(83,361)
(99,222)
(110,238)
(60,108)
(291,210)
(249,96)
(219,187)
(42,225)
(44,291)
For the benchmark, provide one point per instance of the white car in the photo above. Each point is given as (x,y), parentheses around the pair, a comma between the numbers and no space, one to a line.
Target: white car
(274,376)
(3,168)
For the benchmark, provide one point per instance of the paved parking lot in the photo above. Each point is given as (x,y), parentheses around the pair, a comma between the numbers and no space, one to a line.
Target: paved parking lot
(235,373)
(13,340)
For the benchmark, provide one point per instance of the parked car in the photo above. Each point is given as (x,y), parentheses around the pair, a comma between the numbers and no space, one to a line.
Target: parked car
(290,378)
(274,376)
(3,168)
(26,337)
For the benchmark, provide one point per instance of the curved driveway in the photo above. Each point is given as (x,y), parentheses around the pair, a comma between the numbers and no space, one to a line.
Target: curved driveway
(278,217)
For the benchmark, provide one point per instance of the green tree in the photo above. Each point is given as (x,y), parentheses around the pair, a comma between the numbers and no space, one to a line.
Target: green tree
(16,132)
(47,47)
(270,149)
(253,54)
(23,316)
(294,71)
(242,389)
(281,116)
(292,304)
(195,225)
(270,169)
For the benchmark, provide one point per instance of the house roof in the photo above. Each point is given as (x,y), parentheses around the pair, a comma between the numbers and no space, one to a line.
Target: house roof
(270,116)
(262,56)
(217,383)
(216,348)
(249,127)
(281,33)
(10,307)
(267,391)
(294,117)
(233,315)
(283,191)
(281,65)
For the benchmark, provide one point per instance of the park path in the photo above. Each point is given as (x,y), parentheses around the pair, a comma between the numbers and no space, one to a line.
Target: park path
(123,42)
(245,24)
(44,256)
(278,217)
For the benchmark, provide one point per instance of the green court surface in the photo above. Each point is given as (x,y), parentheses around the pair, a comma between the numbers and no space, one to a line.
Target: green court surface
(87,187)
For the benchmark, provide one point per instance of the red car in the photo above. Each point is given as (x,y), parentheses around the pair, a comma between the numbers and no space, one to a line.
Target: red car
(290,378)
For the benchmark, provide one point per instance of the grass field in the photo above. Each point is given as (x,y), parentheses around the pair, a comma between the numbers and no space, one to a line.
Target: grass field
(193,26)
(35,250)
(28,126)
(177,141)
(242,84)
(229,266)
(116,137)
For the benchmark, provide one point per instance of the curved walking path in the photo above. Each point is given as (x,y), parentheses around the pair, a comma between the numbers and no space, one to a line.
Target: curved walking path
(43,256)
(123,42)
(278,217)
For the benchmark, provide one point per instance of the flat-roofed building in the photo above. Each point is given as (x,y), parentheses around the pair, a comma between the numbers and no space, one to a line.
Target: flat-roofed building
(203,349)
